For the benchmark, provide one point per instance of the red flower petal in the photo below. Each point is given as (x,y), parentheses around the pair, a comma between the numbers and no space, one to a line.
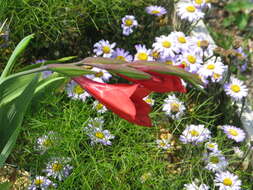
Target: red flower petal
(123,99)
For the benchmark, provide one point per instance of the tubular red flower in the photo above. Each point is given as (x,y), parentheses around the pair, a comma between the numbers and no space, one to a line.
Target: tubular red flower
(160,82)
(123,99)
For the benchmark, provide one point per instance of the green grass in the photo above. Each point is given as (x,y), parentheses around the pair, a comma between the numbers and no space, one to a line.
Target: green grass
(133,153)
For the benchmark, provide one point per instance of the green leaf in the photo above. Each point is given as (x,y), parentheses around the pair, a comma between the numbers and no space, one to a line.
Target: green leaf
(47,62)
(242,20)
(11,88)
(228,21)
(69,70)
(239,5)
(16,53)
(12,114)
(102,60)
(5,186)
(51,83)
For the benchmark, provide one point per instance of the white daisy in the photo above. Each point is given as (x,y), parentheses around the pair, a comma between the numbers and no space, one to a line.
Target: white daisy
(149,100)
(234,133)
(58,168)
(163,144)
(45,142)
(238,152)
(211,67)
(128,23)
(95,122)
(212,146)
(194,186)
(156,10)
(100,76)
(121,54)
(236,89)
(181,40)
(75,91)
(195,134)
(227,181)
(98,135)
(201,3)
(143,54)
(170,60)
(41,183)
(187,11)
(192,61)
(215,161)
(166,46)
(103,47)
(173,107)
(100,108)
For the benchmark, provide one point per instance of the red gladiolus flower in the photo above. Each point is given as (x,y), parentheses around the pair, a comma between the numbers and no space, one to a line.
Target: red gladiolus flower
(123,99)
(160,82)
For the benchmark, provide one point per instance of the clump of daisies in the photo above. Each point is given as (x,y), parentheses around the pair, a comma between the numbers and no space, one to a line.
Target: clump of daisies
(104,48)
(76,92)
(156,10)
(128,23)
(236,89)
(163,144)
(227,181)
(173,107)
(41,183)
(212,146)
(195,134)
(94,129)
(45,142)
(234,133)
(58,168)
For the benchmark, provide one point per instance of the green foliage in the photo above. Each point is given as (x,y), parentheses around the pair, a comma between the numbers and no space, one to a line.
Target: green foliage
(239,14)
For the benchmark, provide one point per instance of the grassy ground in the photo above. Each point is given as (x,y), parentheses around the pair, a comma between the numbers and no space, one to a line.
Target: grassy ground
(133,161)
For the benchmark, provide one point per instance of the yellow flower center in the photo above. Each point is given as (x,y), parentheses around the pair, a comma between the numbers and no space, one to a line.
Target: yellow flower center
(99,74)
(155,12)
(191,59)
(191,9)
(56,167)
(214,159)
(128,22)
(165,136)
(211,67)
(210,145)
(169,62)
(162,144)
(155,54)
(38,182)
(235,88)
(122,58)
(199,2)
(166,44)
(99,106)
(100,135)
(181,39)
(216,76)
(194,133)
(78,90)
(207,1)
(47,143)
(199,43)
(142,56)
(233,132)
(106,49)
(148,100)
(184,63)
(227,182)
(174,107)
